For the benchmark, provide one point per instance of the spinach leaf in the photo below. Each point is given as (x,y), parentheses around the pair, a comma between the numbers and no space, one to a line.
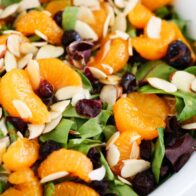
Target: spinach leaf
(159,154)
(60,133)
(162,12)
(108,131)
(191,70)
(189,100)
(85,81)
(3,186)
(154,69)
(90,129)
(8,2)
(49,189)
(69,17)
(104,116)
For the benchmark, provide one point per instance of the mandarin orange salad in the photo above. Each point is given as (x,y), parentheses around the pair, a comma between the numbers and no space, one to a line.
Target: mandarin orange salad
(97,98)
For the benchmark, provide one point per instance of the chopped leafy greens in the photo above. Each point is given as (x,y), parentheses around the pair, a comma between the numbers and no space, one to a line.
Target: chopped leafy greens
(49,189)
(9,2)
(158,154)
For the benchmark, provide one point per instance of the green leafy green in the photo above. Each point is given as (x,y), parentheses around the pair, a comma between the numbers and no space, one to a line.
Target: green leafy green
(108,131)
(60,133)
(154,69)
(104,116)
(9,2)
(189,100)
(3,186)
(159,154)
(85,81)
(191,70)
(1,134)
(49,189)
(69,17)
(162,12)
(131,31)
(12,132)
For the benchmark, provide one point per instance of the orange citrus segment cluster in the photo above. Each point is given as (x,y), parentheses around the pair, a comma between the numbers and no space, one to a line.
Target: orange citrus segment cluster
(15,85)
(74,162)
(21,154)
(142,113)
(153,49)
(37,20)
(112,60)
(73,189)
(153,5)
(25,184)
(58,74)
(139,16)
(58,5)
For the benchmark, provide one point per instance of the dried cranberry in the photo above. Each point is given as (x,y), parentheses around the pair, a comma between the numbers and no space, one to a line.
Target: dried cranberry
(178,55)
(89,107)
(128,83)
(146,150)
(89,75)
(144,182)
(18,123)
(58,18)
(47,148)
(69,37)
(45,90)
(100,186)
(94,156)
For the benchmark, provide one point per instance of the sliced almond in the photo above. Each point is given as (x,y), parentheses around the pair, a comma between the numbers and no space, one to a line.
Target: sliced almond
(91,3)
(27,48)
(35,130)
(19,134)
(24,61)
(135,138)
(112,80)
(41,35)
(52,125)
(1,112)
(113,155)
(106,25)
(60,106)
(85,14)
(110,11)
(182,80)
(34,72)
(3,127)
(39,44)
(54,176)
(130,47)
(67,92)
(135,151)
(10,61)
(124,180)
(1,64)
(10,10)
(190,126)
(47,13)
(106,50)
(120,23)
(84,94)
(26,4)
(108,68)
(85,31)
(112,140)
(120,3)
(22,109)
(12,32)
(49,51)
(97,174)
(97,73)
(2,50)
(133,166)
(130,5)
(13,43)
(162,85)
(193,85)
(54,115)
(154,27)
(109,94)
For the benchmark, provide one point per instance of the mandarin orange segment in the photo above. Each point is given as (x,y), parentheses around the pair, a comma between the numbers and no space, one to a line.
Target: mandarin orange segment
(153,49)
(143,113)
(74,162)
(58,74)
(3,39)
(73,189)
(114,59)
(25,184)
(15,86)
(139,16)
(21,154)
(37,20)
(153,5)
(58,5)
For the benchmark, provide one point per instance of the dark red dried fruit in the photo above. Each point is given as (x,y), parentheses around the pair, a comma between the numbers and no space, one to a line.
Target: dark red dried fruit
(94,156)
(144,183)
(18,123)
(47,148)
(146,150)
(45,90)
(128,83)
(58,18)
(100,186)
(178,55)
(89,107)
